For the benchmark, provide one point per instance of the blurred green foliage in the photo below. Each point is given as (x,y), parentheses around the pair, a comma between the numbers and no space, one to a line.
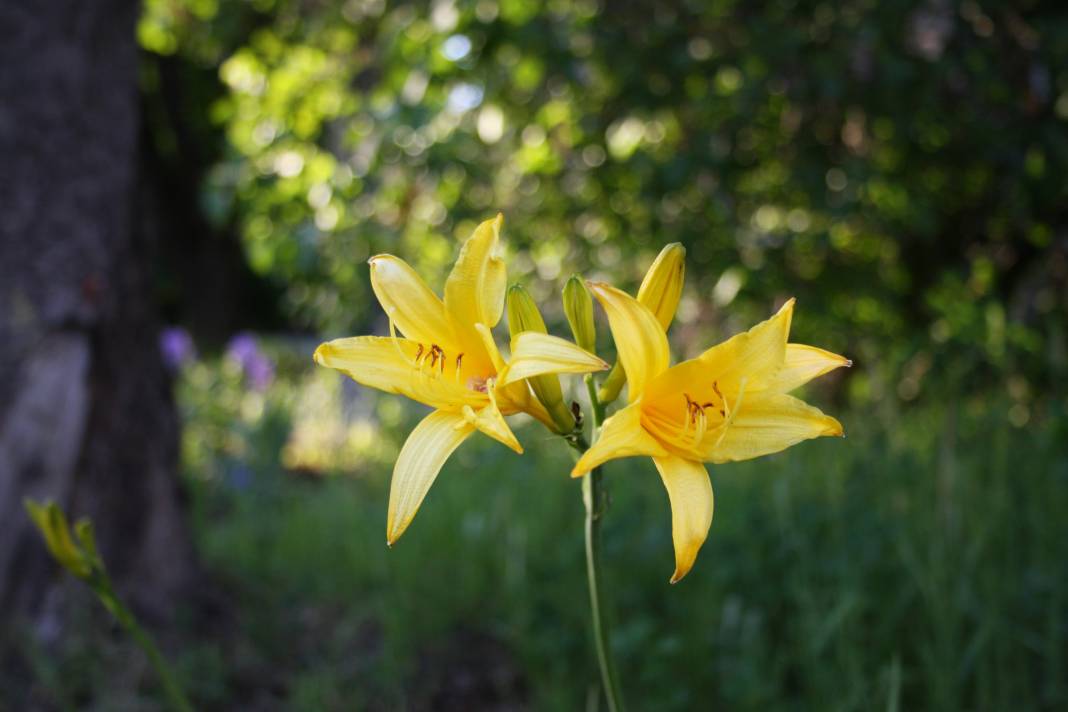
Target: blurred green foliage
(898,166)
(912,567)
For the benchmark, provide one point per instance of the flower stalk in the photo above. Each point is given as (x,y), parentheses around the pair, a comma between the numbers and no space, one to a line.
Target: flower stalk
(106,593)
(595,499)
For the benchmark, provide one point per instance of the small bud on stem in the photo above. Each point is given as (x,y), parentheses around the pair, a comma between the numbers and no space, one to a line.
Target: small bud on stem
(523,315)
(578,307)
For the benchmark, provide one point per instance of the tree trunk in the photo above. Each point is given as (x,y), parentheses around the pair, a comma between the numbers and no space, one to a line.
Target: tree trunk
(86,412)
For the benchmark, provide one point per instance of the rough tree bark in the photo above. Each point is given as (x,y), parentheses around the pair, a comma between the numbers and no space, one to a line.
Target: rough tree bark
(86,413)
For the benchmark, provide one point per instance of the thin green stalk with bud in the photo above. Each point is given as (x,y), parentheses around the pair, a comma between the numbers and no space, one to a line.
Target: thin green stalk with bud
(79,555)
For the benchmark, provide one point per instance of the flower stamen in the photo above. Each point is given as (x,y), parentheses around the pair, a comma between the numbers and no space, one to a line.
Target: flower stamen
(702,425)
(695,416)
(731,412)
(715,389)
(396,341)
(689,414)
(490,384)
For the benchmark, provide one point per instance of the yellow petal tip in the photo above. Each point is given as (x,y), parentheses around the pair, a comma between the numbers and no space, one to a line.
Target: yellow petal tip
(393,532)
(601,290)
(320,354)
(393,535)
(834,428)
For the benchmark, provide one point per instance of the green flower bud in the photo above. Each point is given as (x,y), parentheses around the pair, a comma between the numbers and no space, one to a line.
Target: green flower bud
(578,307)
(523,315)
(52,524)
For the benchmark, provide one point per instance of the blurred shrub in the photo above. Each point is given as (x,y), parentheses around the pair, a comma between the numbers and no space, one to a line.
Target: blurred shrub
(898,166)
(307,421)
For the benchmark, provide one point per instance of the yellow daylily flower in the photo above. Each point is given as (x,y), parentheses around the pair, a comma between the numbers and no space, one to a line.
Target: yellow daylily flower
(447,359)
(729,403)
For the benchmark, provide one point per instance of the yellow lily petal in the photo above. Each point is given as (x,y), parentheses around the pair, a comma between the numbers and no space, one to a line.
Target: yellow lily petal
(767,423)
(490,347)
(534,354)
(660,292)
(389,365)
(690,492)
(622,435)
(413,307)
(511,397)
(420,460)
(518,398)
(802,364)
(490,421)
(640,339)
(474,291)
(756,355)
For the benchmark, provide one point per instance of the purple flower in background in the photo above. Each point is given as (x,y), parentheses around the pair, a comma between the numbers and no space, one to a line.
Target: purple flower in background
(257,367)
(177,347)
(260,373)
(242,347)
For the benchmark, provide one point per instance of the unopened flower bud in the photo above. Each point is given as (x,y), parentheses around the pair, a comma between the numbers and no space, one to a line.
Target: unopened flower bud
(523,315)
(662,286)
(578,307)
(52,524)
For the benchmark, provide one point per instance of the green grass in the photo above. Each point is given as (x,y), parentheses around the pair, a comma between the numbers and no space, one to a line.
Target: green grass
(918,564)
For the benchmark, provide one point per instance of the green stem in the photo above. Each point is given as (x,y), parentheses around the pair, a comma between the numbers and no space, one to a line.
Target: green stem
(594,497)
(125,617)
